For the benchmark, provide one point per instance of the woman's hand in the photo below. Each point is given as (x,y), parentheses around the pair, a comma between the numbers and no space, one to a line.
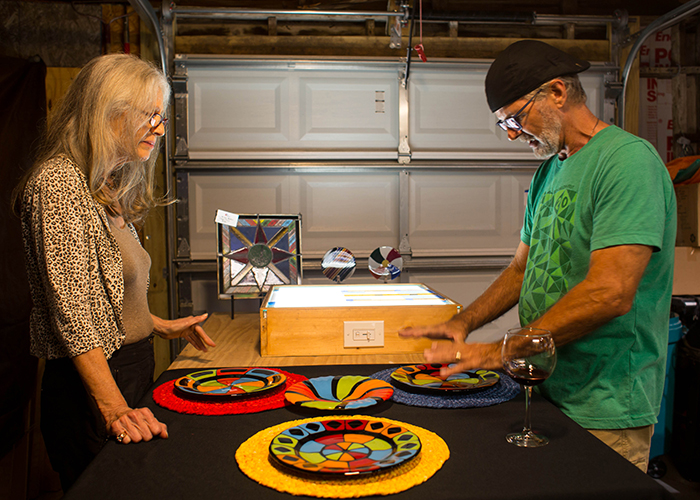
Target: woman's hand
(136,425)
(187,328)
(126,424)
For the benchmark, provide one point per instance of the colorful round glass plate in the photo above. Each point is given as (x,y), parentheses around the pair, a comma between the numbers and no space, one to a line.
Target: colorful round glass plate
(230,382)
(427,377)
(344,447)
(348,392)
(338,264)
(385,263)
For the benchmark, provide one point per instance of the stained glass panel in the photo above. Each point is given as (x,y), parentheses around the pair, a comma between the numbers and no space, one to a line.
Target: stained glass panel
(258,252)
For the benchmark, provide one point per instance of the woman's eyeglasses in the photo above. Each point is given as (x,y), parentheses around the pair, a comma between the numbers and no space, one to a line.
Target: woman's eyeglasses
(156,119)
(512,122)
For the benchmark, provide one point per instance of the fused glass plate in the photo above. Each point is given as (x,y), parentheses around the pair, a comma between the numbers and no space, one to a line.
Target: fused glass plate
(427,377)
(385,263)
(348,392)
(230,382)
(344,446)
(338,264)
(258,252)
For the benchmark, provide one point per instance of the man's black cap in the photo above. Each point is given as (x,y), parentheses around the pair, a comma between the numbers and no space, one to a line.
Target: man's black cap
(524,66)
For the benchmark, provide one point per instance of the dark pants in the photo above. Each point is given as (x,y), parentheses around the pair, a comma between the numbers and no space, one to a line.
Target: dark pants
(73,428)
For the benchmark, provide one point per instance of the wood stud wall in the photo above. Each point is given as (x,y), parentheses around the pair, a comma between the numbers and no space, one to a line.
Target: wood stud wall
(116,37)
(685,51)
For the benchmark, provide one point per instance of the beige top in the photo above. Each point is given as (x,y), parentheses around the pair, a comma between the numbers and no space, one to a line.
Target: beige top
(138,322)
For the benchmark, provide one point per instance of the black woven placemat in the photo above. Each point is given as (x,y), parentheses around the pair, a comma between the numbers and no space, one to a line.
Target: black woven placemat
(505,390)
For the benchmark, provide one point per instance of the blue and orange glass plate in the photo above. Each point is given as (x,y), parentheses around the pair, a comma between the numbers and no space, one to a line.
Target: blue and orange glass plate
(426,377)
(344,447)
(230,382)
(348,392)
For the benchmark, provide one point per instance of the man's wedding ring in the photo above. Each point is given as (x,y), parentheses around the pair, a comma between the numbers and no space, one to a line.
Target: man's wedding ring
(458,356)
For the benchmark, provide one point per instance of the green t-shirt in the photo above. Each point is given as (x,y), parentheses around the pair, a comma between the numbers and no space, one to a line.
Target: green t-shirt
(613,191)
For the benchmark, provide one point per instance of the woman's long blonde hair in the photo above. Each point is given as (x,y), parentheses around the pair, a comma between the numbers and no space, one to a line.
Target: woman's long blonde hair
(95,125)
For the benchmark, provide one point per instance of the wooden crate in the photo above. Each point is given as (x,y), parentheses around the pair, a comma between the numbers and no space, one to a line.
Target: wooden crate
(310,329)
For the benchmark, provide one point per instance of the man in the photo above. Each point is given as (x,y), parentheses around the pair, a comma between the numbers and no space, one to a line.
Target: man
(595,261)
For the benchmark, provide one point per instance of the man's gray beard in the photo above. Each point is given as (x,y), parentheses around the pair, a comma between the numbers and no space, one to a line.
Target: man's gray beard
(548,140)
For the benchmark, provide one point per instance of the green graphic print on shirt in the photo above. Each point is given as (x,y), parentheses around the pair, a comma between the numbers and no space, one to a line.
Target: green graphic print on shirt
(549,261)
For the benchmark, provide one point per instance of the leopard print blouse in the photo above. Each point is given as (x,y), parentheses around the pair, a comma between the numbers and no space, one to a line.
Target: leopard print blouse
(73,263)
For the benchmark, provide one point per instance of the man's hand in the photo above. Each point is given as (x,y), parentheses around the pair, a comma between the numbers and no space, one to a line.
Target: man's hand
(447,330)
(464,356)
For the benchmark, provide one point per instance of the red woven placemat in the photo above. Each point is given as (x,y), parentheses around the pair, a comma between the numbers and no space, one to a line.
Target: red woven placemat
(168,397)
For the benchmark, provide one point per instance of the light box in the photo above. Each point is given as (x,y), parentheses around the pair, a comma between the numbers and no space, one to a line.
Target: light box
(311,319)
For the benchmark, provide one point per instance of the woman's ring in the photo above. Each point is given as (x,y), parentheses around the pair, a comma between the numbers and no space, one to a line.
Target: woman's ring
(121,437)
(458,356)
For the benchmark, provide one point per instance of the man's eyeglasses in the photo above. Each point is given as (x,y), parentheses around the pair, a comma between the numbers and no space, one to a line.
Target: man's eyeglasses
(512,122)
(156,119)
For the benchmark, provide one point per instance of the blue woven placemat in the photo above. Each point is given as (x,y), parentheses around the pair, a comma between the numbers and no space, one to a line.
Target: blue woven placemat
(505,390)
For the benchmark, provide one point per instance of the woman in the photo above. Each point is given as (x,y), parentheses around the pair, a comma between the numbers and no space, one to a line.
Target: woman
(93,179)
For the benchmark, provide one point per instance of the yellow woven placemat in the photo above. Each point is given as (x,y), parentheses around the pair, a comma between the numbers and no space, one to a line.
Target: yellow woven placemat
(253,460)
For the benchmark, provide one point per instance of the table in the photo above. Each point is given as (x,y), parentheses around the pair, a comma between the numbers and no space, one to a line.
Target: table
(197,461)
(238,344)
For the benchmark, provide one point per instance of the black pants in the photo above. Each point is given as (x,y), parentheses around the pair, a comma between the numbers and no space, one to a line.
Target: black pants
(73,428)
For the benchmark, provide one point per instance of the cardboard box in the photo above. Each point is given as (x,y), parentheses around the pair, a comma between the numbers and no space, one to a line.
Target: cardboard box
(686,271)
(302,320)
(656,115)
(688,211)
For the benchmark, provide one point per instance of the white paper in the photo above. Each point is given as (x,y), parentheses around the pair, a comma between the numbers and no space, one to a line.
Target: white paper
(223,217)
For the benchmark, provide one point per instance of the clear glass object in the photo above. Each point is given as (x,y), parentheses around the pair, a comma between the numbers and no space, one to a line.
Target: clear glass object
(529,357)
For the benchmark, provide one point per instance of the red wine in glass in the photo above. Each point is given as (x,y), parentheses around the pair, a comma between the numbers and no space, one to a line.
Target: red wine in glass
(529,357)
(531,377)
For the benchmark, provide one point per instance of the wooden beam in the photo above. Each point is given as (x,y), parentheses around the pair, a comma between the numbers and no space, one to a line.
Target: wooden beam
(155,239)
(684,112)
(478,48)
(684,85)
(369,27)
(632,97)
(569,31)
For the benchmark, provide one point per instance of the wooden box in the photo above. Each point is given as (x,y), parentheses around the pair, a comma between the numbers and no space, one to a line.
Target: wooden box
(302,320)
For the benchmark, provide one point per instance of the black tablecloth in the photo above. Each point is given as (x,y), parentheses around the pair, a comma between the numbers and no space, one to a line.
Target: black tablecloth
(197,460)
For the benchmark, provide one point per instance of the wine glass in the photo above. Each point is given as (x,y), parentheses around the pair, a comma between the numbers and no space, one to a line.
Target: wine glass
(529,357)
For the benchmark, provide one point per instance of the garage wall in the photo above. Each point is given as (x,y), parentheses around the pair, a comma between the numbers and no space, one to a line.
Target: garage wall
(365,160)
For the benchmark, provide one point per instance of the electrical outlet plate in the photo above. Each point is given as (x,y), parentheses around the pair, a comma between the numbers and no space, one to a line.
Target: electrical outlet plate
(363,334)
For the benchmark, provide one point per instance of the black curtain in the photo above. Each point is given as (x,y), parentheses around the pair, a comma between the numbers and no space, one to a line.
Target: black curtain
(22,114)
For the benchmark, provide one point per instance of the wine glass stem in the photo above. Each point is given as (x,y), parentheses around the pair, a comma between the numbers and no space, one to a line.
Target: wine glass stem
(528,397)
